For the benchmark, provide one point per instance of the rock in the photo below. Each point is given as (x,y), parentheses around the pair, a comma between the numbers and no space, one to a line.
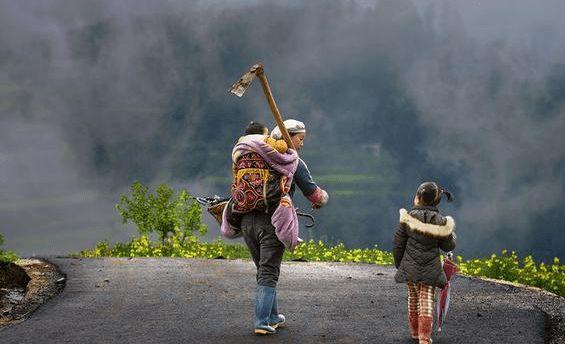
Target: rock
(13,276)
(38,282)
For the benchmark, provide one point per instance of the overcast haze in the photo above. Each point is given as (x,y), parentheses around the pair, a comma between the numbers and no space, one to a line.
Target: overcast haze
(97,94)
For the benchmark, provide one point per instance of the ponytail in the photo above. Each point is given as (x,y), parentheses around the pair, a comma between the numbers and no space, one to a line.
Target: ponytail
(448,195)
(430,193)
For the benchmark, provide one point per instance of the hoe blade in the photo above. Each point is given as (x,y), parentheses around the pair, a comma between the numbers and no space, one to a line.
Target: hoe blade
(240,86)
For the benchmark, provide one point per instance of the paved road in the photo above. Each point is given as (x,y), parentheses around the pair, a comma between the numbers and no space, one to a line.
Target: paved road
(211,301)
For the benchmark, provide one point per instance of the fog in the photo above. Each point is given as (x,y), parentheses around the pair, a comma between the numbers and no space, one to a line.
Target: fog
(95,95)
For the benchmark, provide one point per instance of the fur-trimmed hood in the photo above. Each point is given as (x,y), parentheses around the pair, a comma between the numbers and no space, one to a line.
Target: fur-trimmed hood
(427,229)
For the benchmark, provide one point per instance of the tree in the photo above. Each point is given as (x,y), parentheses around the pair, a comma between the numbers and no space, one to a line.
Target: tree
(162,212)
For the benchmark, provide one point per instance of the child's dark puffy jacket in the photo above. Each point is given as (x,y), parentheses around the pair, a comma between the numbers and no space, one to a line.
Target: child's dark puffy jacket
(421,234)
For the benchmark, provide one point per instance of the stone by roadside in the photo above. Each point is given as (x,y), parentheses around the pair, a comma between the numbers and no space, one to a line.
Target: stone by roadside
(25,286)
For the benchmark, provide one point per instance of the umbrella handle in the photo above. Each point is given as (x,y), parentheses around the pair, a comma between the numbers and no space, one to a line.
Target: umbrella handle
(310,216)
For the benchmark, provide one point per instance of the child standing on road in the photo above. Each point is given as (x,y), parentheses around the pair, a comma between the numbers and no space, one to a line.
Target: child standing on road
(422,232)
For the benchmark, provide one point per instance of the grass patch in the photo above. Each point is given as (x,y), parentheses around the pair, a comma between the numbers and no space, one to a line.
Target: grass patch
(509,267)
(7,256)
(192,247)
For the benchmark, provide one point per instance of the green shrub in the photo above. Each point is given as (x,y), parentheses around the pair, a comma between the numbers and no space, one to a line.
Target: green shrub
(510,268)
(178,245)
(162,212)
(320,252)
(6,256)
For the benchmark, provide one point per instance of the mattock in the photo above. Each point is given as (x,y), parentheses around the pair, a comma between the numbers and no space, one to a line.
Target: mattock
(240,86)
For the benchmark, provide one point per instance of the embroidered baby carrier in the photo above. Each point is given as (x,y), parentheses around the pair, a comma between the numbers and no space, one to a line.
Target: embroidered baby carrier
(261,180)
(255,185)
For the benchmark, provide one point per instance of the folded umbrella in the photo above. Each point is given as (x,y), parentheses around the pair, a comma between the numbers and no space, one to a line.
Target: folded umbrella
(450,269)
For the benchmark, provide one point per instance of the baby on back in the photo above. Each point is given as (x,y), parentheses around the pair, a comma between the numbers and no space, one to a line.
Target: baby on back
(259,132)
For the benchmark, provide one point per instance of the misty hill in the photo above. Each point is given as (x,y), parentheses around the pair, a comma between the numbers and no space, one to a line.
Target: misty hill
(393,93)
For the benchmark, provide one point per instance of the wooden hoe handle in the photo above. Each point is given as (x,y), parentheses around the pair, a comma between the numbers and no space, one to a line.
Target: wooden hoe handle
(278,118)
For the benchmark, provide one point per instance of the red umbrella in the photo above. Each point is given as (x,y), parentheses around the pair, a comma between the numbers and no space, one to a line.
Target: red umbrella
(450,269)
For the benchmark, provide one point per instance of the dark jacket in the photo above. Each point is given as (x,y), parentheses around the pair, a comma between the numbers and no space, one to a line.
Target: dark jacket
(422,232)
(303,179)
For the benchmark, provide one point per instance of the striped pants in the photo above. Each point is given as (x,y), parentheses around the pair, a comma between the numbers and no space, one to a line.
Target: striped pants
(420,299)
(420,311)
